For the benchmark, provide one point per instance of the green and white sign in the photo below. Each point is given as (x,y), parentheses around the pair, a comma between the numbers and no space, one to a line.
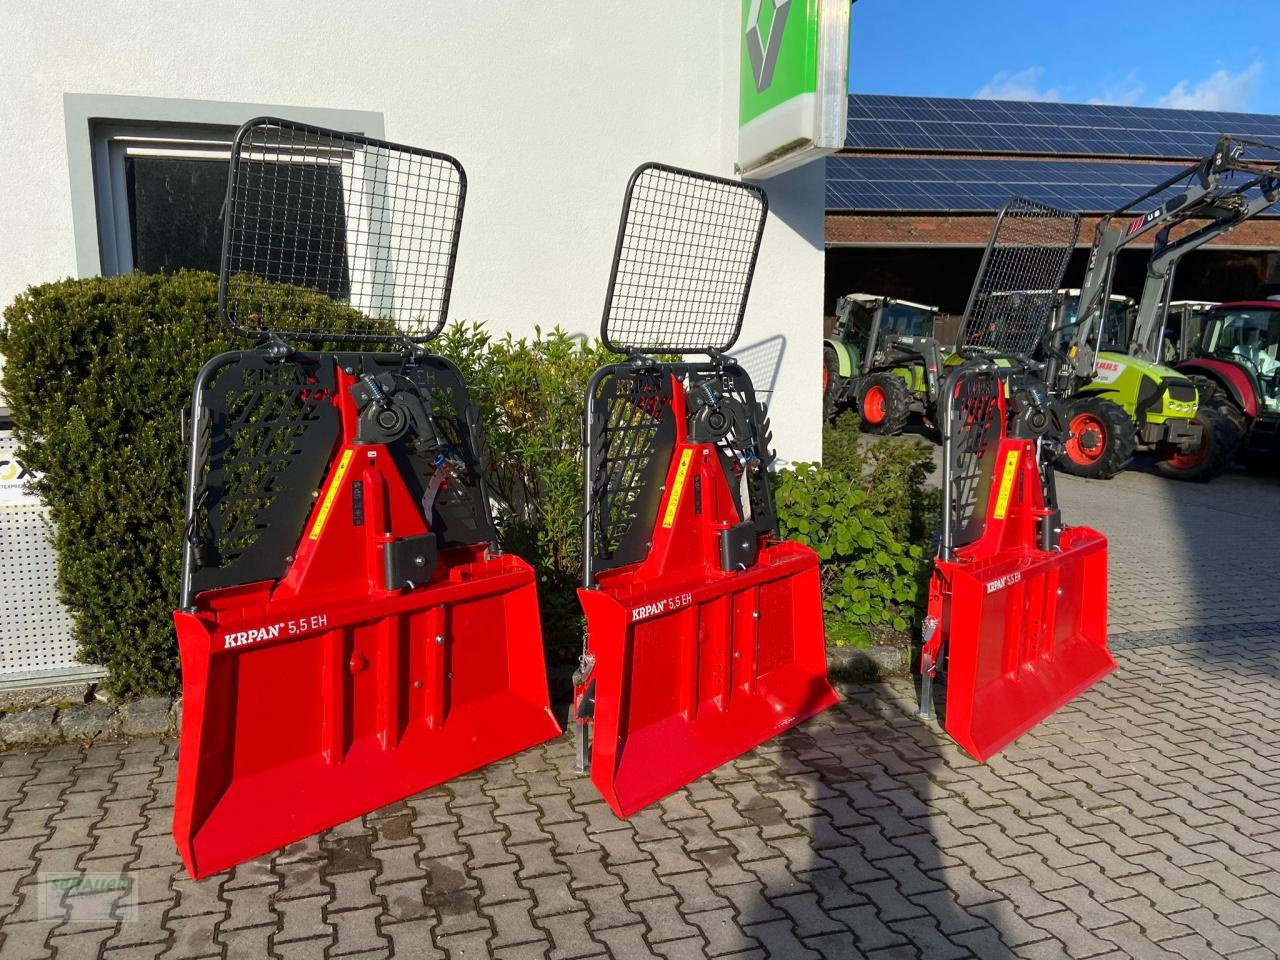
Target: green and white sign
(794,83)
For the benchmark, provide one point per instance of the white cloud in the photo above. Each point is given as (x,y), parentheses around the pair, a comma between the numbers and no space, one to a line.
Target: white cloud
(1124,93)
(1218,91)
(1023,85)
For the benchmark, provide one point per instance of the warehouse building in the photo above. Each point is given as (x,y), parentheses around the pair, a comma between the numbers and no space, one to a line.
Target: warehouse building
(910,199)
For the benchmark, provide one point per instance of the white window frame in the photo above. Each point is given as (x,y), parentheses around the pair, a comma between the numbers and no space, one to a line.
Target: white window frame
(113,145)
(104,131)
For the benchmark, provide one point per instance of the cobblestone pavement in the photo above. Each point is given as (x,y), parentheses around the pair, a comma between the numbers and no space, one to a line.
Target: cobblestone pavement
(1142,820)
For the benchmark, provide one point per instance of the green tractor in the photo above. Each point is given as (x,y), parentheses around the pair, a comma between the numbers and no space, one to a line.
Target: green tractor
(1122,398)
(883,358)
(1129,404)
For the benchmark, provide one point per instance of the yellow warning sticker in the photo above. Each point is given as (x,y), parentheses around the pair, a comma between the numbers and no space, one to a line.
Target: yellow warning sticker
(1006,484)
(330,495)
(677,488)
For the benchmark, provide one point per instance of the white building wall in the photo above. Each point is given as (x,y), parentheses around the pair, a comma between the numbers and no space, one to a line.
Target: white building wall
(548,105)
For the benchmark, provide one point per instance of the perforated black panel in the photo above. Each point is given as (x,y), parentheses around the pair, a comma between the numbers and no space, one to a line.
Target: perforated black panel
(263,433)
(630,433)
(975,429)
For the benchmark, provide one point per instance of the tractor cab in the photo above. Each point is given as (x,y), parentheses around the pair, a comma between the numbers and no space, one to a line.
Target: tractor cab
(1183,326)
(1248,336)
(883,325)
(1237,365)
(885,349)
(1116,326)
(869,324)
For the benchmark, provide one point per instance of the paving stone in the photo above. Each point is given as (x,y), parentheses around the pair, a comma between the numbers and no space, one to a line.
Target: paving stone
(316,949)
(467,945)
(193,937)
(570,937)
(722,932)
(355,931)
(413,940)
(512,924)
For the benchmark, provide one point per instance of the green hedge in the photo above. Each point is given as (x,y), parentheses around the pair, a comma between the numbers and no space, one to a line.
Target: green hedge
(868,513)
(98,373)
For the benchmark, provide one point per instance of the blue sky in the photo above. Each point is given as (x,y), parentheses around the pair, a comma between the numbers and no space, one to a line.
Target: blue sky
(1173,53)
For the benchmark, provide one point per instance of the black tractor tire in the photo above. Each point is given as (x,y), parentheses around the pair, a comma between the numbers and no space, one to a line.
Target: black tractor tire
(833,385)
(1210,393)
(1218,446)
(1102,439)
(884,403)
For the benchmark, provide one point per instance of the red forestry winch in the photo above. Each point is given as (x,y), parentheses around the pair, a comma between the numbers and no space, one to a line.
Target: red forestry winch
(1017,614)
(704,630)
(349,634)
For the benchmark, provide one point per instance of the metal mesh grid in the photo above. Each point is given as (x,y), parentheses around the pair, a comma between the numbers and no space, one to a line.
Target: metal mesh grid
(1013,297)
(682,268)
(359,222)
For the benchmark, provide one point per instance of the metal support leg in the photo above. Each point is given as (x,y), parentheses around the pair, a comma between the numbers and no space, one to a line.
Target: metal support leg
(582,743)
(926,688)
(927,667)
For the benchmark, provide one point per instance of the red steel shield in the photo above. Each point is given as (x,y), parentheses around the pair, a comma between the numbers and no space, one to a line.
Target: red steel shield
(1024,629)
(339,688)
(693,665)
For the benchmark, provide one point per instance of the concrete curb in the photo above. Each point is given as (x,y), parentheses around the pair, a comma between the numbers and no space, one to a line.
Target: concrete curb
(870,663)
(94,721)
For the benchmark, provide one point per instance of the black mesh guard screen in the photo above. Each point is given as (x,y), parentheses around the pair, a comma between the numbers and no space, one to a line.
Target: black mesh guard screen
(975,429)
(682,268)
(1012,301)
(315,215)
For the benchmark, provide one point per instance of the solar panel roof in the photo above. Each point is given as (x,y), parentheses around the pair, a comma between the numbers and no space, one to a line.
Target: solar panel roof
(949,184)
(946,125)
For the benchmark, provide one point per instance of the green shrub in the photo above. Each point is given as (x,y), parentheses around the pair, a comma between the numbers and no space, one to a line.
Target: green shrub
(98,372)
(868,514)
(531,396)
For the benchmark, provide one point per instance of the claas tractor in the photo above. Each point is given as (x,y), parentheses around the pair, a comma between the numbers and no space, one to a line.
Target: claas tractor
(883,358)
(1121,397)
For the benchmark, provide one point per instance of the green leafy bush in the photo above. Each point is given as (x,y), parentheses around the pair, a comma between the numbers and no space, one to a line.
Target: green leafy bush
(531,395)
(867,512)
(98,372)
